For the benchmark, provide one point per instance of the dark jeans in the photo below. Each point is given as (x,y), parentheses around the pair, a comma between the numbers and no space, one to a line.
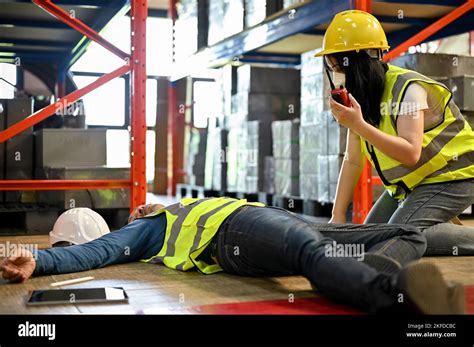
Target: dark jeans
(257,241)
(429,207)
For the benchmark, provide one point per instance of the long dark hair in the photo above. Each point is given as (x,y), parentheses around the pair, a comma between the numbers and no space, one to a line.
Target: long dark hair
(365,80)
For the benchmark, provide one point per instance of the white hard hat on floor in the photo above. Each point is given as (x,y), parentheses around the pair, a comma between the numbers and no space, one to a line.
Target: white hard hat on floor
(77,226)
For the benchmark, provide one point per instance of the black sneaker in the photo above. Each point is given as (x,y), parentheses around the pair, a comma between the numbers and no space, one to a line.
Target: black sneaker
(425,288)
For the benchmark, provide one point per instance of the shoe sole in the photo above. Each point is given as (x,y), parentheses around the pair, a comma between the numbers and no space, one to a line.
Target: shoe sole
(382,263)
(426,288)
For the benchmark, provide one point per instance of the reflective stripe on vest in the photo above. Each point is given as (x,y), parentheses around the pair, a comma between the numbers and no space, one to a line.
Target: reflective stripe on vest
(191,225)
(447,148)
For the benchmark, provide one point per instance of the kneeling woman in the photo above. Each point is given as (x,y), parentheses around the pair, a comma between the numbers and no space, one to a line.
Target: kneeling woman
(411,131)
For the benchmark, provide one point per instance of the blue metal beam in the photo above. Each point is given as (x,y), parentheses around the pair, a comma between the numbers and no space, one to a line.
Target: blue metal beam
(10,49)
(32,24)
(55,44)
(459,26)
(271,58)
(292,22)
(405,20)
(313,31)
(32,57)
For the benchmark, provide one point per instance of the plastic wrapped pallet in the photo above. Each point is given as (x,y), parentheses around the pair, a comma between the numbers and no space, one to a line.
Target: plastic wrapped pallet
(294,3)
(213,146)
(237,159)
(309,186)
(462,88)
(269,175)
(226,18)
(186,29)
(436,65)
(259,145)
(287,177)
(337,137)
(314,88)
(268,80)
(329,167)
(277,106)
(257,10)
(312,111)
(285,139)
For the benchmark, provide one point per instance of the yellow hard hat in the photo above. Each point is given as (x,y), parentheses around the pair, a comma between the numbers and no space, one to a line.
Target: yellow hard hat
(353,30)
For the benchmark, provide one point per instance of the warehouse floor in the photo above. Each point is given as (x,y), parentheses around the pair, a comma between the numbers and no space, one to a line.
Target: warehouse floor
(155,289)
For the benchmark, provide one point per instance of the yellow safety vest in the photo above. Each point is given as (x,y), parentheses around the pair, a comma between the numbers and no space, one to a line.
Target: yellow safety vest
(190,226)
(448,148)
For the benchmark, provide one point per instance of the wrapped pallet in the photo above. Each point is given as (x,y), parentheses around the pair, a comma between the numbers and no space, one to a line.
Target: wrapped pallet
(286,157)
(259,145)
(226,18)
(257,10)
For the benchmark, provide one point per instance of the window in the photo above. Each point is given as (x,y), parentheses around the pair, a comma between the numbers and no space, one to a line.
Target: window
(7,73)
(105,105)
(150,155)
(204,104)
(151,100)
(159,47)
(118,150)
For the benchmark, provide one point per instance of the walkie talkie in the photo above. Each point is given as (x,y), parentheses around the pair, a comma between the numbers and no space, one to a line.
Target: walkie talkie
(340,94)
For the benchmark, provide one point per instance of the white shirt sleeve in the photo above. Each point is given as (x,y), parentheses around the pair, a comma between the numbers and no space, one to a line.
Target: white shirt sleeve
(414,100)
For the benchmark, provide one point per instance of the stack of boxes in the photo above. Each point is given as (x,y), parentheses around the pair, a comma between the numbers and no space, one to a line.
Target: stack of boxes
(313,134)
(215,164)
(294,3)
(322,139)
(285,136)
(262,96)
(257,10)
(226,18)
(16,158)
(191,27)
(195,165)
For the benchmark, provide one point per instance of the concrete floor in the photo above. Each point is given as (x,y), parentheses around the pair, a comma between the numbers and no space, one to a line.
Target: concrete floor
(157,289)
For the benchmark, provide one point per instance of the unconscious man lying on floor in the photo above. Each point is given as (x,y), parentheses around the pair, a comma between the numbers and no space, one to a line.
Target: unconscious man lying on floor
(248,239)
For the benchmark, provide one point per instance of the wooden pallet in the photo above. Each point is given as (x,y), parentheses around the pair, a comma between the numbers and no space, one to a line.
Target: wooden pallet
(189,191)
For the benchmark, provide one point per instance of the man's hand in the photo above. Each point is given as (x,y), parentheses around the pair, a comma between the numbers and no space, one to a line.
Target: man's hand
(19,267)
(143,210)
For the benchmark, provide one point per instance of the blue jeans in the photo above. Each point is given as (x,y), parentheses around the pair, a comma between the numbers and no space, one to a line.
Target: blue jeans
(257,241)
(429,207)
(141,239)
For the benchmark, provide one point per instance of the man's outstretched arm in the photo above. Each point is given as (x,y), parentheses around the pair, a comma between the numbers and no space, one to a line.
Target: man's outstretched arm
(140,239)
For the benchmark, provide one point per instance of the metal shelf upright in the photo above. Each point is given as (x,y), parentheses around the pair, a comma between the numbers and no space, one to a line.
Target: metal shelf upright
(136,65)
